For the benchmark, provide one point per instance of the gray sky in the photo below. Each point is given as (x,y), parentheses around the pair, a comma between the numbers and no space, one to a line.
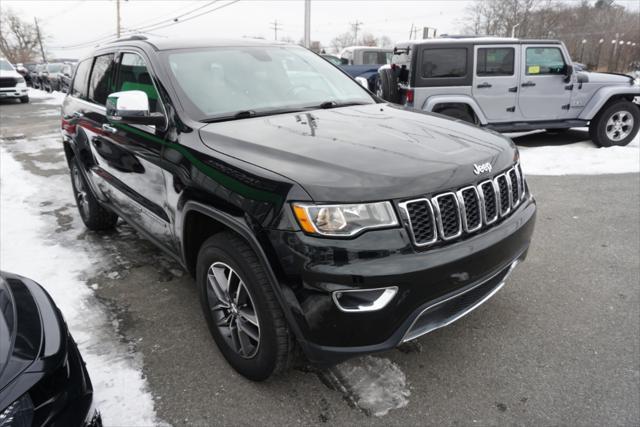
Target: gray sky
(72,22)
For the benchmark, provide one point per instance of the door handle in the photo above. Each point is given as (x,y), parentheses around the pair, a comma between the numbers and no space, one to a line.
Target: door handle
(483,85)
(109,129)
(513,89)
(528,84)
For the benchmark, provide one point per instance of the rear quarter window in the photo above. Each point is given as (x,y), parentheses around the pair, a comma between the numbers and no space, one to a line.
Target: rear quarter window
(443,65)
(100,81)
(79,86)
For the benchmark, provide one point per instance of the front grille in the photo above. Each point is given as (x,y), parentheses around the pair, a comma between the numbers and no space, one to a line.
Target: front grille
(447,216)
(8,82)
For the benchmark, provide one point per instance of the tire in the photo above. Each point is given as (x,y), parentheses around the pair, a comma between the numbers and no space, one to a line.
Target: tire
(272,353)
(616,124)
(457,113)
(387,86)
(24,99)
(95,216)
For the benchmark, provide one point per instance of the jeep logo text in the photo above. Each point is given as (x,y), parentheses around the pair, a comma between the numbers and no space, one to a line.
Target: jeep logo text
(483,168)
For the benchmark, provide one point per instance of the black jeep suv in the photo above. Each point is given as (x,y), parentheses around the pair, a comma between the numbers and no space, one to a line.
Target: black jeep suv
(310,213)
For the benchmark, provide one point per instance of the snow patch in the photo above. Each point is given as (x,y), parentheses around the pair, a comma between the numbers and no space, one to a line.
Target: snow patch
(375,385)
(580,158)
(30,247)
(49,98)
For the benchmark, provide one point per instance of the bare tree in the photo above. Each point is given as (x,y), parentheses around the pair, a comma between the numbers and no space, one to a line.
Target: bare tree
(18,39)
(343,40)
(368,39)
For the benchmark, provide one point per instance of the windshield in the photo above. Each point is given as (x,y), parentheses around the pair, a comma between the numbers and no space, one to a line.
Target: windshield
(221,82)
(5,66)
(6,324)
(54,68)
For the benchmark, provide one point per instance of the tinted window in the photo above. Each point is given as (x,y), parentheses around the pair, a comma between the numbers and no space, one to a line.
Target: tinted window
(544,60)
(495,61)
(99,84)
(375,57)
(80,79)
(134,75)
(440,63)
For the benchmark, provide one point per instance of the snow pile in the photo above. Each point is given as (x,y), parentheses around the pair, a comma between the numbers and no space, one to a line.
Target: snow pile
(580,158)
(52,98)
(376,385)
(30,246)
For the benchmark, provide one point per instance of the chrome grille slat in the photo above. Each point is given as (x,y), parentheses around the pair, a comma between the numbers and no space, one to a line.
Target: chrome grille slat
(446,216)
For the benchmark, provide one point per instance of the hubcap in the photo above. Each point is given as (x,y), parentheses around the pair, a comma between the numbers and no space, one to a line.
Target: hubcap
(233,309)
(81,193)
(619,125)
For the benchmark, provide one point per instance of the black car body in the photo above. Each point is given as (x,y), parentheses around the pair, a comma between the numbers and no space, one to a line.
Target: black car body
(254,175)
(43,379)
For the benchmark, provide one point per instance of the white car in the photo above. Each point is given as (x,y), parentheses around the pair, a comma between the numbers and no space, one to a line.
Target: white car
(12,84)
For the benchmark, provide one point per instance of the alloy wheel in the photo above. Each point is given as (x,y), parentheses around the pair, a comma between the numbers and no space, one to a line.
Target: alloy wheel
(233,309)
(619,126)
(81,192)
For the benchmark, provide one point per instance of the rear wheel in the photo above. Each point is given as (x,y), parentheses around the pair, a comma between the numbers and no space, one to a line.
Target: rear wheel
(457,113)
(387,86)
(24,99)
(616,124)
(94,215)
(241,309)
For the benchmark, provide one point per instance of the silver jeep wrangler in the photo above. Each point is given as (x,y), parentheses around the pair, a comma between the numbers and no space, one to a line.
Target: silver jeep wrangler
(511,85)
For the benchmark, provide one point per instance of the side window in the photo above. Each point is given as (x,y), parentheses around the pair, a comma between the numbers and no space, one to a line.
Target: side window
(80,80)
(544,60)
(369,58)
(442,63)
(100,81)
(134,75)
(495,61)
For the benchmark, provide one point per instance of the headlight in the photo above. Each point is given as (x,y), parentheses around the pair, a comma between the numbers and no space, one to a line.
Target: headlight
(344,220)
(18,414)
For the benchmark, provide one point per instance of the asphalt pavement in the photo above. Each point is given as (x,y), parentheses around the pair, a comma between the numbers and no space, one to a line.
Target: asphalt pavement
(558,345)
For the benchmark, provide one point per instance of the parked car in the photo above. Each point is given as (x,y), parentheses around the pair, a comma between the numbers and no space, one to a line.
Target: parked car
(29,67)
(362,63)
(51,75)
(333,59)
(59,76)
(310,214)
(511,85)
(12,84)
(43,379)
(38,75)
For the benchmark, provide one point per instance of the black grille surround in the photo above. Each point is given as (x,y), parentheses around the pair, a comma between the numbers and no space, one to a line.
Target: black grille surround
(450,215)
(8,81)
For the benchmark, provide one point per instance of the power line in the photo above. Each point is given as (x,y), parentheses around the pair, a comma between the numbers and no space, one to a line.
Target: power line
(275,27)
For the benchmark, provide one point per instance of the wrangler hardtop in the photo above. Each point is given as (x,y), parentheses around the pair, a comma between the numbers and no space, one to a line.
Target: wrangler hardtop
(511,85)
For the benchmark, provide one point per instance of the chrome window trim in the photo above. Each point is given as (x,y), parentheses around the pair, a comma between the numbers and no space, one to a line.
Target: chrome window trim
(485,219)
(506,179)
(405,211)
(436,207)
(463,208)
(514,203)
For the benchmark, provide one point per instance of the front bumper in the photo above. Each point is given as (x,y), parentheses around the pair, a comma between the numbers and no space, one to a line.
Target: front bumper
(14,92)
(435,286)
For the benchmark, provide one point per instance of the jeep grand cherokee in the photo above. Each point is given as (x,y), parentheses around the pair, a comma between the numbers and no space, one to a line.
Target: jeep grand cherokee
(310,212)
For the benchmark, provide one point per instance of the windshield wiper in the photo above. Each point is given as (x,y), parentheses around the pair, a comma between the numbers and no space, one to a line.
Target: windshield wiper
(334,104)
(244,114)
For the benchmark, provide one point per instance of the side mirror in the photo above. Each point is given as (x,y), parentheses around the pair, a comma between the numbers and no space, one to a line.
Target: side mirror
(132,107)
(568,71)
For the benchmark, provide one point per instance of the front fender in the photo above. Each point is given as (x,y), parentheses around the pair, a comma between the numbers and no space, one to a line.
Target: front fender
(603,95)
(432,101)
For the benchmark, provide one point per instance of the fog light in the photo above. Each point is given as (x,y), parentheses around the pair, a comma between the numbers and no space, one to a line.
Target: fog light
(363,300)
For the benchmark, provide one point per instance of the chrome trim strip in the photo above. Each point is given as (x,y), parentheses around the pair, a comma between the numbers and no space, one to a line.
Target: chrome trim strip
(503,213)
(381,302)
(463,208)
(516,202)
(436,207)
(485,219)
(520,174)
(408,336)
(403,206)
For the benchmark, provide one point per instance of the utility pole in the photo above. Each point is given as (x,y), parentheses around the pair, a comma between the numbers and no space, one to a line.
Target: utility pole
(356,26)
(307,23)
(275,27)
(118,18)
(44,59)
(411,32)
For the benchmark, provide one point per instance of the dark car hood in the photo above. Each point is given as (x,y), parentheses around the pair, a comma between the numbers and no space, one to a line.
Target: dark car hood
(363,153)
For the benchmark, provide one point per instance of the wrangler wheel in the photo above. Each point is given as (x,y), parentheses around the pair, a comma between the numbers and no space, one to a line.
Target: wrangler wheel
(616,124)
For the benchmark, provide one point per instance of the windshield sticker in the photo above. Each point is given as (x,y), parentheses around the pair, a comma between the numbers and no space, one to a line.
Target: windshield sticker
(534,69)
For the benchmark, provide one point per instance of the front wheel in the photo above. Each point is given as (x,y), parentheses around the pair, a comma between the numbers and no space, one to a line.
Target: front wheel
(616,124)
(24,99)
(241,309)
(94,215)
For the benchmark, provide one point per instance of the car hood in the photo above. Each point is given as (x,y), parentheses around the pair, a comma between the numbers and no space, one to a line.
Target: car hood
(363,153)
(609,78)
(4,73)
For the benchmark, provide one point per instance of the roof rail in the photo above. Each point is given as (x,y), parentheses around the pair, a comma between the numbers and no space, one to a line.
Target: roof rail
(133,37)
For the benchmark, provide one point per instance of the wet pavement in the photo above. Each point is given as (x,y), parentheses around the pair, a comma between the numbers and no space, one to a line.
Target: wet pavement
(560,344)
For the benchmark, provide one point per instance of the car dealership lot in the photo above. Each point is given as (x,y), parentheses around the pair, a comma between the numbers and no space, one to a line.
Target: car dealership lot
(558,345)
